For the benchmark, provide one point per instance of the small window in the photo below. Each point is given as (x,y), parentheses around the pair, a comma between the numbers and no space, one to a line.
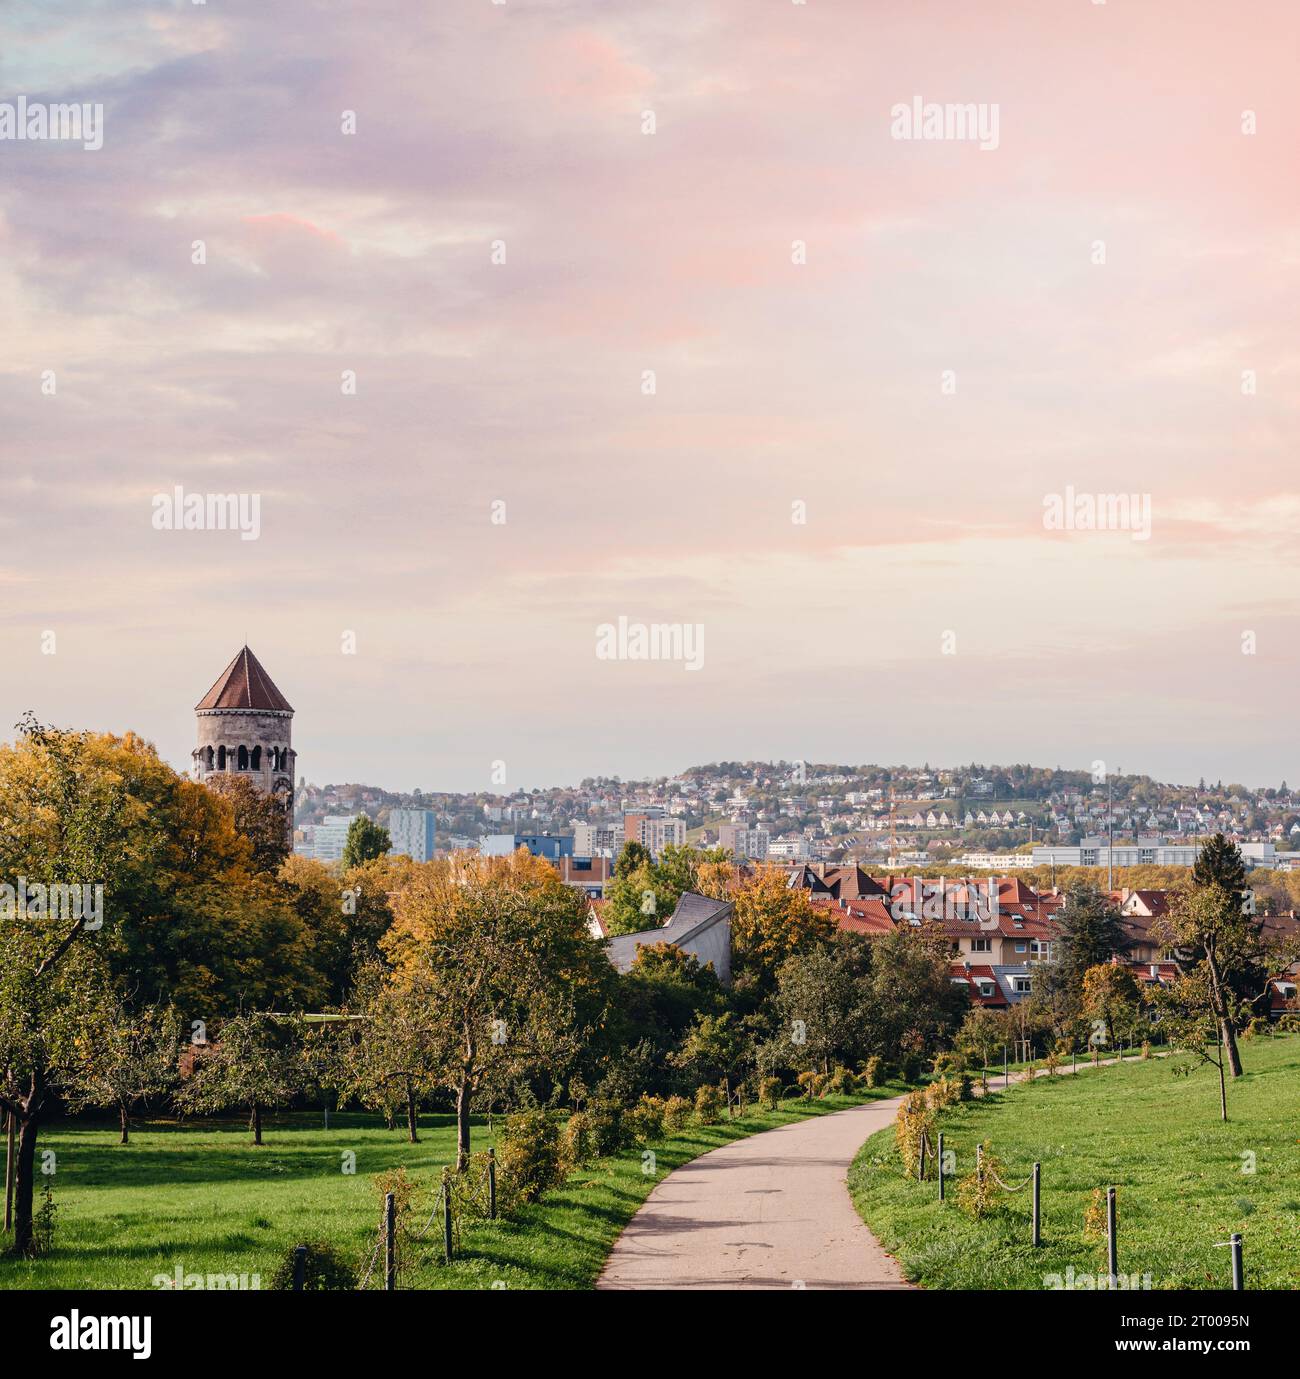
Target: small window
(1022,947)
(1023,986)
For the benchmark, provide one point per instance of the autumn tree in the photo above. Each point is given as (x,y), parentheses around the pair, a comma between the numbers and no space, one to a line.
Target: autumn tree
(259,818)
(499,949)
(66,826)
(1111,1000)
(918,1005)
(771,921)
(716,1049)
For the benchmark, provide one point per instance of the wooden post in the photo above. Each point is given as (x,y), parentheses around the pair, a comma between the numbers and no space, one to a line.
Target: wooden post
(1006,1078)
(1238,1273)
(1074,1058)
(1038,1215)
(492,1183)
(390,1242)
(1112,1244)
(299,1267)
(10,1166)
(920,1167)
(446,1216)
(941,1165)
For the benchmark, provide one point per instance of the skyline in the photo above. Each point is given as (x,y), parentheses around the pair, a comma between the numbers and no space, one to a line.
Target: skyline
(777,382)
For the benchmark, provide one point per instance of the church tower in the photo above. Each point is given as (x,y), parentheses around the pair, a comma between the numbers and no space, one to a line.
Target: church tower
(245,728)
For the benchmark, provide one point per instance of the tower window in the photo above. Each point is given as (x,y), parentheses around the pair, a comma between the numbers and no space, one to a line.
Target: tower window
(257,758)
(243,758)
(221,758)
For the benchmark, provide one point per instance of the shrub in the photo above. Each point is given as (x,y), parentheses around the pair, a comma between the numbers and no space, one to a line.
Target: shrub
(965,1092)
(1289,1023)
(1052,1062)
(915,1122)
(1259,1025)
(943,1093)
(949,1062)
(325,1270)
(529,1158)
(977,1193)
(909,1067)
(708,1105)
(608,1132)
(769,1092)
(842,1082)
(1146,1049)
(1094,1218)
(645,1121)
(873,1070)
(575,1139)
(677,1114)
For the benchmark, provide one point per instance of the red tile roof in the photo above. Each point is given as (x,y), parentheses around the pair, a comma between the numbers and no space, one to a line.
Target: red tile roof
(244,685)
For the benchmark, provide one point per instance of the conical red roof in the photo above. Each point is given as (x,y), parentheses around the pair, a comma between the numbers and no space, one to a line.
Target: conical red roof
(244,685)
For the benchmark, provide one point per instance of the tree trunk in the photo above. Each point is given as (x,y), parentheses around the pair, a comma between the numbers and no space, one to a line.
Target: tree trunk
(1223,1090)
(411,1114)
(25,1184)
(463,1094)
(126,1137)
(11,1127)
(1228,1037)
(255,1123)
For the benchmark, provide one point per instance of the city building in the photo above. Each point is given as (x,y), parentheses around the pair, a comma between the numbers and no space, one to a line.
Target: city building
(744,842)
(654,832)
(324,841)
(413,832)
(551,846)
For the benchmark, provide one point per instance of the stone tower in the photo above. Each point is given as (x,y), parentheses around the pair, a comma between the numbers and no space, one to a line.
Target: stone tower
(245,728)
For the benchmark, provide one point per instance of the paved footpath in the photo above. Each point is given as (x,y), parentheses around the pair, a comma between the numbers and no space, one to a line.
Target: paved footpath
(769,1211)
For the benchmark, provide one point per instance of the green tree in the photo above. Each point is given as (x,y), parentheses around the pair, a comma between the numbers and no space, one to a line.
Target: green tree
(716,1049)
(366,840)
(255,1063)
(127,1057)
(823,1006)
(917,1004)
(260,819)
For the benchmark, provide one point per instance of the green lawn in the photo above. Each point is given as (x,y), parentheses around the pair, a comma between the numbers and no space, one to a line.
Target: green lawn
(1154,1136)
(199,1195)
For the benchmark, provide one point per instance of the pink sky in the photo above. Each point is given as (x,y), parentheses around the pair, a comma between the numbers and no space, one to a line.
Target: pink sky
(776,382)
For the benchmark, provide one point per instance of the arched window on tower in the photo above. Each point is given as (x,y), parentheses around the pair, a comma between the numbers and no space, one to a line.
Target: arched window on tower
(257,758)
(243,758)
(208,758)
(221,758)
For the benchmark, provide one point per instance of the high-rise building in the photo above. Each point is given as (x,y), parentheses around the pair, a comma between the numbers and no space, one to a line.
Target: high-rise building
(413,832)
(743,842)
(654,833)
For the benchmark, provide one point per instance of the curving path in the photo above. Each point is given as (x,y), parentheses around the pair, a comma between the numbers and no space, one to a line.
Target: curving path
(769,1211)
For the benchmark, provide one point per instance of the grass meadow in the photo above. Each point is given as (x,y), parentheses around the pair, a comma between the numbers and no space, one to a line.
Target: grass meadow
(1185,1180)
(199,1196)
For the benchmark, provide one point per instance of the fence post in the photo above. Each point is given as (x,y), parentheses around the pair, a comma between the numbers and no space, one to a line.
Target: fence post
(1038,1215)
(492,1184)
(1112,1245)
(1074,1058)
(941,1165)
(446,1215)
(920,1166)
(299,1267)
(390,1242)
(1006,1080)
(1238,1273)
